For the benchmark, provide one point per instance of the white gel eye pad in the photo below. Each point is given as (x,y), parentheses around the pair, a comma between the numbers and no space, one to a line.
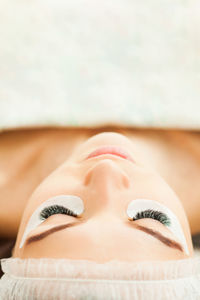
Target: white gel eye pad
(71,202)
(140,205)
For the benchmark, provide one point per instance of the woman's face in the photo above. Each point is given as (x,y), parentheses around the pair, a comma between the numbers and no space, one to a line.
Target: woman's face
(111,189)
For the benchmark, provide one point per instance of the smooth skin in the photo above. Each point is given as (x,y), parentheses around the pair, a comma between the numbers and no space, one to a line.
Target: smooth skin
(106,184)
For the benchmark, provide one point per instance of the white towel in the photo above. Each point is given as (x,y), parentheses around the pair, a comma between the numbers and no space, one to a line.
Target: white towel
(92,63)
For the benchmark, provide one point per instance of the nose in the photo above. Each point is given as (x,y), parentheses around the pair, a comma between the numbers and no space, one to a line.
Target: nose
(106,173)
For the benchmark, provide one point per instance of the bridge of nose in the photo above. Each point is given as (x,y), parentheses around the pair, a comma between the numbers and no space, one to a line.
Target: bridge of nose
(106,173)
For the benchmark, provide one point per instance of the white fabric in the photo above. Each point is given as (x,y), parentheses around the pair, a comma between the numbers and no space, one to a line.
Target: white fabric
(92,63)
(60,279)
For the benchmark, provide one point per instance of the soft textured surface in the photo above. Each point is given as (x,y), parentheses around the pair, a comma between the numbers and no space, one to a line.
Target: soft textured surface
(62,279)
(87,62)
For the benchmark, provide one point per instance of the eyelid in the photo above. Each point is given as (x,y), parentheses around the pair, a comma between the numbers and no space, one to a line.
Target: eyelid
(71,202)
(155,226)
(153,214)
(55,209)
(175,227)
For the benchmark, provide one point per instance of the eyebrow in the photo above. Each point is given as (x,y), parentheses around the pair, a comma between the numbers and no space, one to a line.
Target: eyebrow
(166,241)
(42,235)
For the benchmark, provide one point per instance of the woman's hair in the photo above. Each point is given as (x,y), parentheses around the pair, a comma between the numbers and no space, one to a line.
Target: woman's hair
(82,279)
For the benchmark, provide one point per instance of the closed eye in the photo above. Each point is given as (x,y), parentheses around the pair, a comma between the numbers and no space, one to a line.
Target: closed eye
(147,208)
(153,214)
(62,204)
(54,210)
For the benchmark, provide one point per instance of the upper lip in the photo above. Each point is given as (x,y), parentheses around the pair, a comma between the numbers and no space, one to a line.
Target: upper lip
(113,150)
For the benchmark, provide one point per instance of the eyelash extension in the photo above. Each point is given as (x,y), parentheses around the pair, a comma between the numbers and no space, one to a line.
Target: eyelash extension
(153,214)
(54,210)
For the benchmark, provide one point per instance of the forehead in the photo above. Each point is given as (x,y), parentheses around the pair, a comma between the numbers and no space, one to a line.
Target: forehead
(101,240)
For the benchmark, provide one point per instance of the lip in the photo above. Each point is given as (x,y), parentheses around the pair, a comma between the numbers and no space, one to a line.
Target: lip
(112,150)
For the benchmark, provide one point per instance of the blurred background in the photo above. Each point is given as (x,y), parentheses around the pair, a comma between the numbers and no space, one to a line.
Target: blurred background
(87,63)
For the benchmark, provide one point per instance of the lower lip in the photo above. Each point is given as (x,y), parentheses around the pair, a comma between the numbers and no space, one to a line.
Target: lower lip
(113,150)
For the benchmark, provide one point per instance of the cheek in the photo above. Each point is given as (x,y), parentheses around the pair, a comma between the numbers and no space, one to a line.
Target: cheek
(152,186)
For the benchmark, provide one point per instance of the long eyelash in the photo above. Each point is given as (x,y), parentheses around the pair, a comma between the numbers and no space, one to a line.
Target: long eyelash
(54,210)
(153,214)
